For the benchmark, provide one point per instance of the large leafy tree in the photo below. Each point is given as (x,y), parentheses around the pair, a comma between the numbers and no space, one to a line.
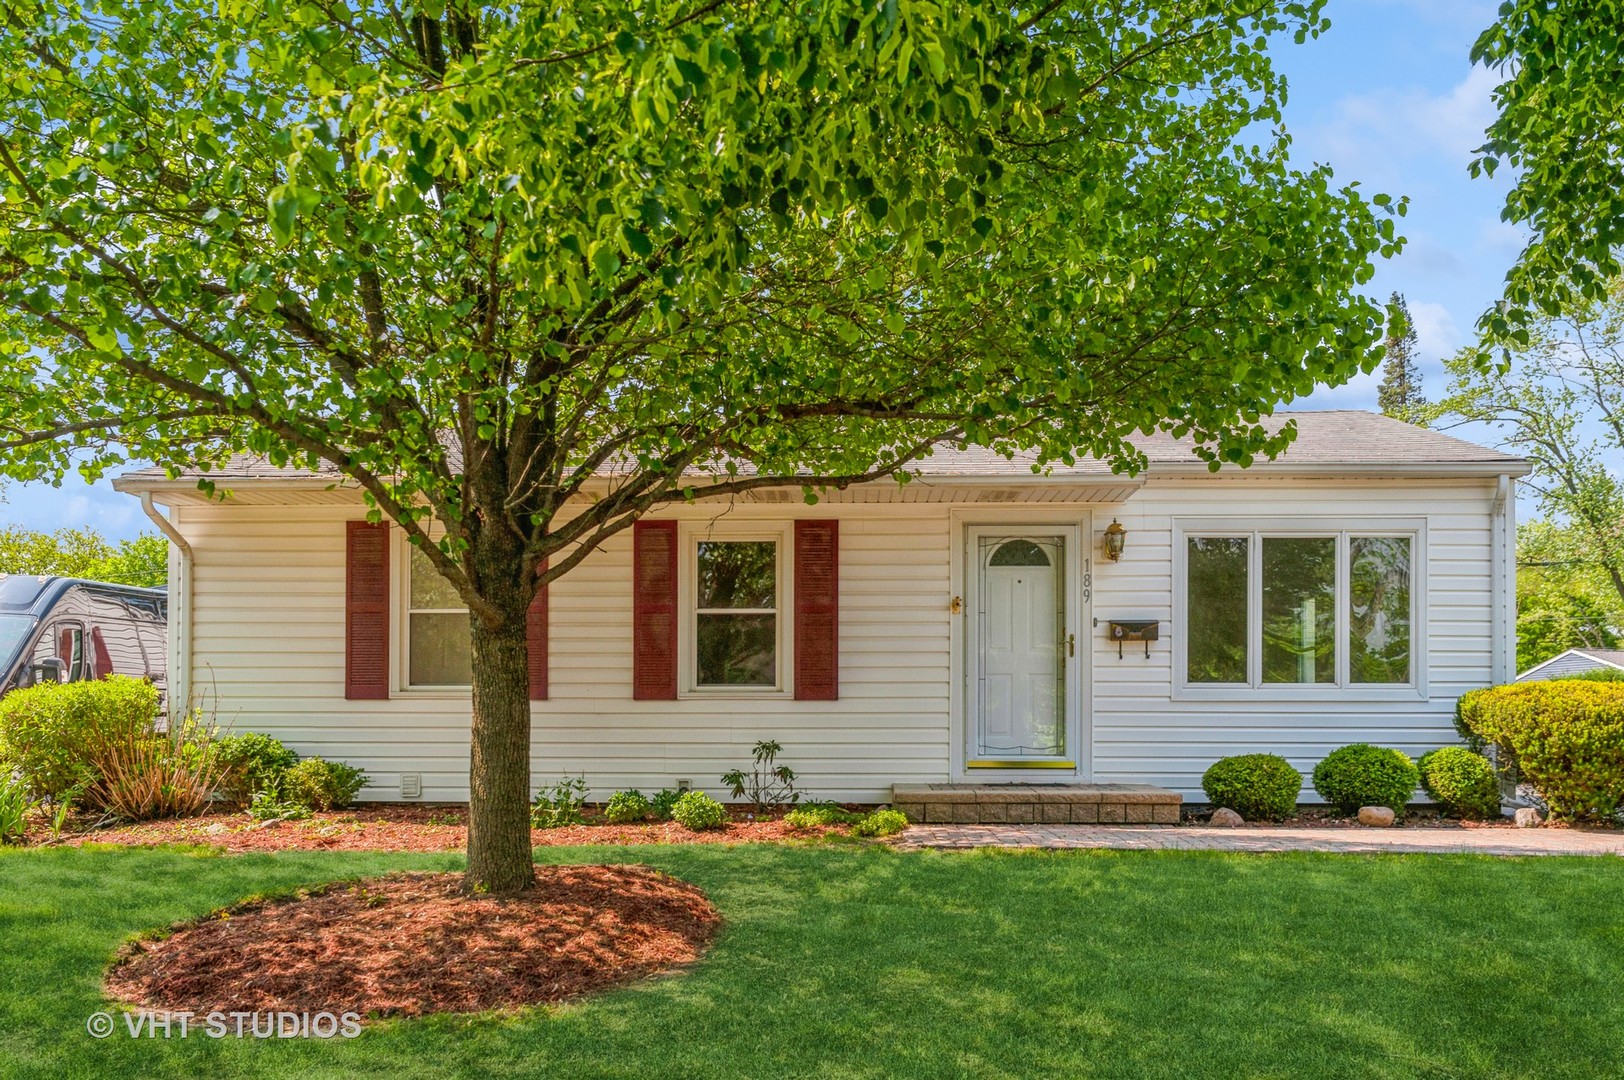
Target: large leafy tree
(84,553)
(1560,128)
(471,256)
(1560,402)
(1564,599)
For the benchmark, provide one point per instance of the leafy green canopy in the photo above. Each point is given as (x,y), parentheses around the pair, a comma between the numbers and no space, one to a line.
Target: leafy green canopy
(1560,128)
(469,256)
(84,553)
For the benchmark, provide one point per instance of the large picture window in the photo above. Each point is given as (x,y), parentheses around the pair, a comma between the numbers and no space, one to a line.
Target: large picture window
(437,649)
(1267,608)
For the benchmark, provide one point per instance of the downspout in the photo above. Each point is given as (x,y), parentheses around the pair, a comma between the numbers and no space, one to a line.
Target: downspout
(180,610)
(1503,625)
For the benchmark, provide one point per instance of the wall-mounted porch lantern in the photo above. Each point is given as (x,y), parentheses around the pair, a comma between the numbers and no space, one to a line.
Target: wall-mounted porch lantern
(1115,537)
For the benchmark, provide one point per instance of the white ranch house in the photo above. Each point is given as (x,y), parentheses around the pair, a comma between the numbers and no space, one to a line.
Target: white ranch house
(962,628)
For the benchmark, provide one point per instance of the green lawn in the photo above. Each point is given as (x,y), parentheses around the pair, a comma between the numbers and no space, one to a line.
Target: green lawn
(839,961)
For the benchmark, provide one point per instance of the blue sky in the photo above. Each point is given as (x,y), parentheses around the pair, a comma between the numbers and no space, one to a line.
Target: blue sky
(1387,97)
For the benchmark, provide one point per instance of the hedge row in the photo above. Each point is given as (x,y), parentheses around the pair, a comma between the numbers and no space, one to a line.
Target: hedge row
(1565,737)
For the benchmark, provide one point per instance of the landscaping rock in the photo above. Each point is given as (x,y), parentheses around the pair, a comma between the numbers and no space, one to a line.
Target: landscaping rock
(1527,817)
(1225,818)
(1377,817)
(216,829)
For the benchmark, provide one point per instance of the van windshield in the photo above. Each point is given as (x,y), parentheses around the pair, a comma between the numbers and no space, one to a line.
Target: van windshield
(13,633)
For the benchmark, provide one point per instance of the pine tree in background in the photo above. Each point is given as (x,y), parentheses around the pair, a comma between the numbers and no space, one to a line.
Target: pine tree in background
(1400,392)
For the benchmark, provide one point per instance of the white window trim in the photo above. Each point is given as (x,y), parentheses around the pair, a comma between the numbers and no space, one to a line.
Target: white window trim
(401,615)
(781,533)
(1256,530)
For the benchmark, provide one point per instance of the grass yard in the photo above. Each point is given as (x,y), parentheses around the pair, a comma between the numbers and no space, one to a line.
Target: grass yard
(862,962)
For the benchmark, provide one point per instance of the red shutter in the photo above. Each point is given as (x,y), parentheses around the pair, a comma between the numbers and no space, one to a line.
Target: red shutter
(535,626)
(654,610)
(366,611)
(817,610)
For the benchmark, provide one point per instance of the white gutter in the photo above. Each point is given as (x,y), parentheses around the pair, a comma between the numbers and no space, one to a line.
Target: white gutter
(179,668)
(1503,556)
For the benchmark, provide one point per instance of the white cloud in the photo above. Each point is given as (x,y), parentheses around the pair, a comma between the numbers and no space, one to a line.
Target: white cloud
(1436,334)
(1369,135)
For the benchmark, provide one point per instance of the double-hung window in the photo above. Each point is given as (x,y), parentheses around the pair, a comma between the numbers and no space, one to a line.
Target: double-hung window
(1299,607)
(736,630)
(436,638)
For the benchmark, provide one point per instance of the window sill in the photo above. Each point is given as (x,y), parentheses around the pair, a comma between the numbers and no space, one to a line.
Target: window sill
(742,693)
(1350,694)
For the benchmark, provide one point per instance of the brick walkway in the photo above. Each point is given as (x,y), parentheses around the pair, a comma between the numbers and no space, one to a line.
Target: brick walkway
(1195,838)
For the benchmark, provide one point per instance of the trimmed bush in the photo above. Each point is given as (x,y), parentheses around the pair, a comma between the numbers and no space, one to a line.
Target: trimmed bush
(625,807)
(1565,737)
(318,784)
(1462,782)
(250,763)
(697,811)
(52,734)
(1258,787)
(881,823)
(1365,775)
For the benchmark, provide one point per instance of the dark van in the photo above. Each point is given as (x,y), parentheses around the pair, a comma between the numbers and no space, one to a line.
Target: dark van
(56,629)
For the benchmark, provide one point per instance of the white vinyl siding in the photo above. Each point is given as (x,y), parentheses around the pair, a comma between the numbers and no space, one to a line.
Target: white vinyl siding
(268,649)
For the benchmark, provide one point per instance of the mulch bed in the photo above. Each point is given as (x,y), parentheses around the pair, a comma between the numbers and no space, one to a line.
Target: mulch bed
(406,828)
(409,944)
(1318,817)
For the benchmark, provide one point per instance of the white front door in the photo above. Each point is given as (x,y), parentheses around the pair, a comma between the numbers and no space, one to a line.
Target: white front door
(1021,646)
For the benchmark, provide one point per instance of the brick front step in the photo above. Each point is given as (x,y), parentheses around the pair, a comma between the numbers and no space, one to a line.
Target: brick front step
(1037,804)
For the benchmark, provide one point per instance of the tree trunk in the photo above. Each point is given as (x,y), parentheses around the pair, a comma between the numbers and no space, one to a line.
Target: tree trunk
(499,861)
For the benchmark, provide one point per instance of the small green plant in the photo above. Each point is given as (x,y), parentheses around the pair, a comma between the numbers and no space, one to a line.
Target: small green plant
(560,804)
(1365,775)
(318,784)
(1258,787)
(251,762)
(269,806)
(881,823)
(663,802)
(1462,782)
(820,815)
(625,807)
(768,783)
(699,812)
(59,817)
(15,803)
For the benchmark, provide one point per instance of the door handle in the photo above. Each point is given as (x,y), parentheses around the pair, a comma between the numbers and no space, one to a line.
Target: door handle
(1071,644)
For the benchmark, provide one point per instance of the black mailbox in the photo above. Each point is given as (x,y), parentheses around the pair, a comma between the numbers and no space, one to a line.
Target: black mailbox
(1146,630)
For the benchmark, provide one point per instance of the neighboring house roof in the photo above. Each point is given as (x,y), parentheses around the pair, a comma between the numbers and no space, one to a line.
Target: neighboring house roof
(1329,442)
(1573,661)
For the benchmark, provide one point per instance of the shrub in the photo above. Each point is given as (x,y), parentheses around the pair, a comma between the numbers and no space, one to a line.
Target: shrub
(1565,737)
(318,784)
(768,783)
(51,734)
(251,762)
(698,811)
(14,807)
(881,823)
(1462,782)
(820,815)
(268,806)
(559,805)
(142,775)
(625,807)
(663,802)
(1258,787)
(1365,775)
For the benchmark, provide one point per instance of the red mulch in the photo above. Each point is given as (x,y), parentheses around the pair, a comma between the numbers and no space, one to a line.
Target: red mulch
(406,828)
(409,944)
